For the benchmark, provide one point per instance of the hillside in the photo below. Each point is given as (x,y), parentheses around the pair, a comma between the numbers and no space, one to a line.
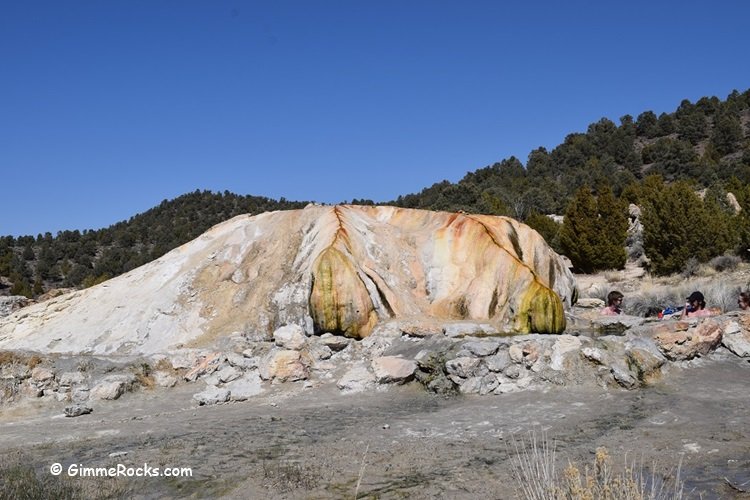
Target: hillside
(706,143)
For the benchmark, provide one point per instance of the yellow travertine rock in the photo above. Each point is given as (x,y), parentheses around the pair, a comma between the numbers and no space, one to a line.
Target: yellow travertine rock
(336,269)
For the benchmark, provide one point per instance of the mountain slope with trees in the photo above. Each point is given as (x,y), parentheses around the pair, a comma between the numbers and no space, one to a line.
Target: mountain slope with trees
(659,162)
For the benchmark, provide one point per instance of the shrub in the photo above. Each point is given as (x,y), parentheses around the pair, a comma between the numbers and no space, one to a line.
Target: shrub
(725,262)
(691,268)
(538,478)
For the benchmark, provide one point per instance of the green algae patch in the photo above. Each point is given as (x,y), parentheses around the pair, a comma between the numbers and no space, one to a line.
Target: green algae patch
(541,311)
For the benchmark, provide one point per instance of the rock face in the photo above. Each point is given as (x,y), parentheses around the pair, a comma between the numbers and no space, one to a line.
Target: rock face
(339,269)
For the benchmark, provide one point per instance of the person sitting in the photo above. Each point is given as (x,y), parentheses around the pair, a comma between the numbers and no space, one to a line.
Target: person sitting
(743,301)
(695,307)
(614,304)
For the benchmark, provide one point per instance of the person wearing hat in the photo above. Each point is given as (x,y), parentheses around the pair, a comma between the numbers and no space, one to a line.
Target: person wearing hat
(695,307)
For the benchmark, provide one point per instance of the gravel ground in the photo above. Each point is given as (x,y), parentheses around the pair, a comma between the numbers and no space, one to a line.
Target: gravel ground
(292,442)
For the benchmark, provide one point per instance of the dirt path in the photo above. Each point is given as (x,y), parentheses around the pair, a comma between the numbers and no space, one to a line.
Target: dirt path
(311,443)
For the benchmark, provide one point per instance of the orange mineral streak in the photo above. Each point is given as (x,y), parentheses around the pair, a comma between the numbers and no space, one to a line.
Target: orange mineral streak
(341,269)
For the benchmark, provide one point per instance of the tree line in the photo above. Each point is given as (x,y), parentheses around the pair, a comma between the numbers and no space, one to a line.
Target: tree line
(660,163)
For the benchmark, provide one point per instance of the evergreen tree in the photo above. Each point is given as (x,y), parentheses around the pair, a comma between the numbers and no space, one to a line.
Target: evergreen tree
(613,217)
(594,231)
(546,227)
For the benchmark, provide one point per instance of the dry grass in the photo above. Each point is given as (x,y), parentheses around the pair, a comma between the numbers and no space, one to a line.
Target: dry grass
(653,294)
(537,478)
(14,358)
(19,480)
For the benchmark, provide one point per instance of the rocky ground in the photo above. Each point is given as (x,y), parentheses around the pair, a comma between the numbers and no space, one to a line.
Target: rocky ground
(417,410)
(404,442)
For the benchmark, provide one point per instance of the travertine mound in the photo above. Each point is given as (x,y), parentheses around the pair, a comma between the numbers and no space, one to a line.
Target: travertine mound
(338,269)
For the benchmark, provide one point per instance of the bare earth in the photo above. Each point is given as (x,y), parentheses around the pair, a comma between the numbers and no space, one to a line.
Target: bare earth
(303,443)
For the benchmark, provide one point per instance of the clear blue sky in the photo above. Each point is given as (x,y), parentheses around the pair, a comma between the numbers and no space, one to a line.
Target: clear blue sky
(109,107)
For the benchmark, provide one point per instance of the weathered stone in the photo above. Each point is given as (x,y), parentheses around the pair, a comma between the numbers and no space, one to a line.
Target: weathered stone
(624,377)
(420,327)
(318,352)
(228,373)
(335,342)
(645,364)
(696,341)
(211,396)
(516,353)
(69,379)
(283,365)
(241,361)
(40,374)
(590,303)
(357,379)
(290,337)
(498,362)
(736,339)
(513,371)
(488,384)
(205,366)
(246,387)
(338,269)
(482,348)
(111,387)
(471,385)
(463,367)
(593,354)
(389,369)
(164,379)
(30,390)
(77,410)
(80,394)
(464,329)
(564,345)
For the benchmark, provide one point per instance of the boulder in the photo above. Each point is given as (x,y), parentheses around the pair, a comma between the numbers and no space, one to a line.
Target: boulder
(357,379)
(736,336)
(77,410)
(246,387)
(389,369)
(290,337)
(482,348)
(164,379)
(462,367)
(335,342)
(590,303)
(212,395)
(564,345)
(499,361)
(283,365)
(69,379)
(40,374)
(697,340)
(205,366)
(112,387)
(228,373)
(338,269)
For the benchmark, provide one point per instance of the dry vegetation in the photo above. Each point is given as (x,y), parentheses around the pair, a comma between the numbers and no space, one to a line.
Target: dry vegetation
(720,282)
(538,476)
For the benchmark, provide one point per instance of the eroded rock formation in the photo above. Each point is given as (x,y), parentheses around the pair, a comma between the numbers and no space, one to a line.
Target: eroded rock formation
(339,269)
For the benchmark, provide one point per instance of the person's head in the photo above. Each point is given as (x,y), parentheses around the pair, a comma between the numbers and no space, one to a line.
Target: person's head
(614,299)
(696,301)
(744,301)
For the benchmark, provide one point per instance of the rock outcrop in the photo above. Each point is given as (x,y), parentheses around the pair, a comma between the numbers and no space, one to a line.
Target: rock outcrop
(340,269)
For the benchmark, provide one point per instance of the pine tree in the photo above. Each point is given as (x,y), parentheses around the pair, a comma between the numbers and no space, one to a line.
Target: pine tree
(578,234)
(613,217)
